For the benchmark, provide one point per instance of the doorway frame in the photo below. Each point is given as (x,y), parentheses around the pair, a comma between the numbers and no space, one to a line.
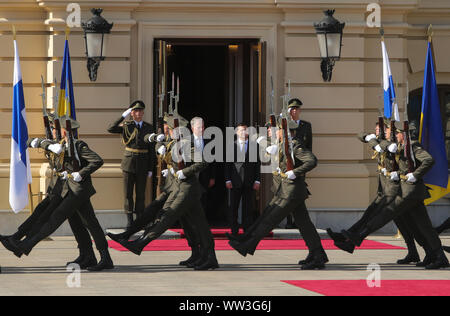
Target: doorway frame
(149,31)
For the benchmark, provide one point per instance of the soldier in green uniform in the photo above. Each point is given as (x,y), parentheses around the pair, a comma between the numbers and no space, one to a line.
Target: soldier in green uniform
(75,195)
(182,202)
(138,161)
(290,197)
(413,193)
(388,189)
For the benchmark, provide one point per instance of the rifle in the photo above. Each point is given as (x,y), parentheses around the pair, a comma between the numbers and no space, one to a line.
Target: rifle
(172,95)
(176,125)
(48,131)
(381,135)
(288,147)
(71,144)
(162,165)
(273,119)
(393,139)
(408,148)
(177,97)
(56,112)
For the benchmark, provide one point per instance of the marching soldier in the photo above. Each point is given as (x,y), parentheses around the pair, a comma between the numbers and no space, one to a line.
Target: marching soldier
(183,203)
(75,197)
(290,197)
(138,161)
(413,193)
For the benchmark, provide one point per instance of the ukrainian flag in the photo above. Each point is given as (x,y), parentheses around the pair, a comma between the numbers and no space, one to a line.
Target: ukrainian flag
(66,99)
(431,133)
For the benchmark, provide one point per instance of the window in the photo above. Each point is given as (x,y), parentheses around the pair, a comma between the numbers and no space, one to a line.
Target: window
(415,108)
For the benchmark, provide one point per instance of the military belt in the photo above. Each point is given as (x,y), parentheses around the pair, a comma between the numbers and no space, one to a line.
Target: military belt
(137,151)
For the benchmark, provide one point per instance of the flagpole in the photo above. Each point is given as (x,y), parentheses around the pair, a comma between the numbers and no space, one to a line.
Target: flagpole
(30,193)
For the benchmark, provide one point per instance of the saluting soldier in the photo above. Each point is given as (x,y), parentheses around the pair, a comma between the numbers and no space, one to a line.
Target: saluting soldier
(138,161)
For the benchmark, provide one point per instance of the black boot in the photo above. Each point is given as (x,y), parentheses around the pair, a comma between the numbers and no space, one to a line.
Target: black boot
(12,245)
(319,261)
(89,259)
(81,257)
(335,236)
(193,258)
(441,261)
(355,238)
(105,263)
(117,237)
(238,238)
(308,259)
(210,262)
(426,261)
(239,247)
(346,246)
(136,246)
(410,258)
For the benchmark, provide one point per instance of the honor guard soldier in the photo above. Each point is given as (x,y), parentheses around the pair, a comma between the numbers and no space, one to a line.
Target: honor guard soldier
(138,161)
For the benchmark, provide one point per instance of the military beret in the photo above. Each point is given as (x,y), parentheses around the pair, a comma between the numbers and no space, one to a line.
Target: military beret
(137,105)
(294,103)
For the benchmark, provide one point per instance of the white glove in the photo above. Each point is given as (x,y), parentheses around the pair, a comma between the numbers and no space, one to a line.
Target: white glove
(290,174)
(272,150)
(370,137)
(172,171)
(394,176)
(260,139)
(160,137)
(35,143)
(56,148)
(150,137)
(180,175)
(64,175)
(378,148)
(165,173)
(392,148)
(150,174)
(126,113)
(410,178)
(278,170)
(76,177)
(162,150)
(384,171)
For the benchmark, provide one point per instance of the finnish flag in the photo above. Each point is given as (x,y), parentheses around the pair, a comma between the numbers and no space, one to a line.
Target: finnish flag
(390,101)
(20,171)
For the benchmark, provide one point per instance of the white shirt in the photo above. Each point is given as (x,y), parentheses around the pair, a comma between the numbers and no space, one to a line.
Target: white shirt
(198,142)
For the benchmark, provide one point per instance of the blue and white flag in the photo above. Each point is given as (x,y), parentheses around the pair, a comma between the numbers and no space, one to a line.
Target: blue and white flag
(390,102)
(20,171)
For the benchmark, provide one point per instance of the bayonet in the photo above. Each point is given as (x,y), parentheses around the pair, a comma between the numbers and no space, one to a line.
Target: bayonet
(177,97)
(172,94)
(48,131)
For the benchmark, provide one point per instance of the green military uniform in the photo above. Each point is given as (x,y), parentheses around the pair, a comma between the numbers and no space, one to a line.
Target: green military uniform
(138,159)
(409,200)
(289,198)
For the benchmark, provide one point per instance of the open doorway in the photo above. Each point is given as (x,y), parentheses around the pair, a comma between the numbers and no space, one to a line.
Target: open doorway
(220,81)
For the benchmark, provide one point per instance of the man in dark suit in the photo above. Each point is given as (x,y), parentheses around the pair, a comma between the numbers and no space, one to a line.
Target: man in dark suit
(243,178)
(138,161)
(207,177)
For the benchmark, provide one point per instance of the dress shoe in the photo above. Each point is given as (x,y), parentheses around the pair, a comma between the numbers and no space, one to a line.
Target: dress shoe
(353,237)
(410,258)
(239,247)
(10,244)
(318,263)
(84,254)
(335,236)
(426,261)
(88,261)
(105,263)
(441,262)
(346,246)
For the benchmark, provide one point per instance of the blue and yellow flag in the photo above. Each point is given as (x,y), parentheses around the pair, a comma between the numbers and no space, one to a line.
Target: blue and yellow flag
(431,133)
(66,99)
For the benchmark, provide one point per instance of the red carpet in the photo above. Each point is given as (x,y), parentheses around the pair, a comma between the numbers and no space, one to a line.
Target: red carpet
(217,232)
(266,244)
(388,287)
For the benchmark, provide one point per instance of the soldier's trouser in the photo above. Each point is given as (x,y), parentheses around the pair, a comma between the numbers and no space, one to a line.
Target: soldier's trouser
(418,214)
(66,209)
(369,213)
(134,183)
(299,211)
(182,202)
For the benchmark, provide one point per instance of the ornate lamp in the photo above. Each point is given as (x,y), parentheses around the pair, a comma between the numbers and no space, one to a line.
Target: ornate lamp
(329,34)
(96,34)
